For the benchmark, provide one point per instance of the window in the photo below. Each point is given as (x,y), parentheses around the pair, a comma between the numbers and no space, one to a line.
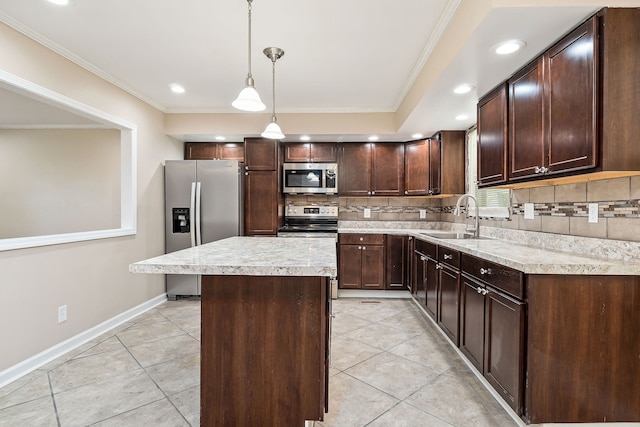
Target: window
(493,202)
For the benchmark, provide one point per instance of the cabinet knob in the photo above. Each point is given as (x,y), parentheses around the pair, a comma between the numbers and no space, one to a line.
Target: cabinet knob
(422,258)
(246,167)
(364,248)
(485,271)
(438,266)
(246,173)
(360,247)
(448,256)
(479,290)
(406,192)
(373,192)
(361,239)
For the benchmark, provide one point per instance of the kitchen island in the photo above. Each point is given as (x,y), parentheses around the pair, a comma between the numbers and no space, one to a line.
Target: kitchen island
(265,326)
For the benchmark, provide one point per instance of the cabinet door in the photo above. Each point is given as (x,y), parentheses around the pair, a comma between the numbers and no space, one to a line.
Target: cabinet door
(416,168)
(261,203)
(472,317)
(504,347)
(372,267)
(449,302)
(324,152)
(355,169)
(261,154)
(294,152)
(431,280)
(571,100)
(492,137)
(395,262)
(388,169)
(199,150)
(526,132)
(231,151)
(350,272)
(435,166)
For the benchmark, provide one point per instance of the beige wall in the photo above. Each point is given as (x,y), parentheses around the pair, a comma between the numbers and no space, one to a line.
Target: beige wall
(58,181)
(90,277)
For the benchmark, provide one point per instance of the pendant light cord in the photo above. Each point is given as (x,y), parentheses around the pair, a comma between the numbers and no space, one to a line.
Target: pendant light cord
(249,75)
(273,85)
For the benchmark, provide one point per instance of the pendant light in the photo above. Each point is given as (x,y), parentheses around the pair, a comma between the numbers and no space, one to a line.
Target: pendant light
(248,99)
(272,131)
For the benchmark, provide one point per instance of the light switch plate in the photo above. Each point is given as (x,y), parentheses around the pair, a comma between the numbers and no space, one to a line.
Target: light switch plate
(367,213)
(593,212)
(423,213)
(528,211)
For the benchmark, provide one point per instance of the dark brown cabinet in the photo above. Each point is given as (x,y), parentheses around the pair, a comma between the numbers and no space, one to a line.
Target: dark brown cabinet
(492,325)
(371,169)
(553,107)
(449,293)
(361,261)
(416,168)
(316,152)
(395,260)
(428,277)
(262,198)
(570,111)
(492,137)
(214,151)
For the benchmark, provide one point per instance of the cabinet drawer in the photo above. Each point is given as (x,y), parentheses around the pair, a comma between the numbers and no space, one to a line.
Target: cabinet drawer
(496,275)
(449,256)
(426,248)
(361,238)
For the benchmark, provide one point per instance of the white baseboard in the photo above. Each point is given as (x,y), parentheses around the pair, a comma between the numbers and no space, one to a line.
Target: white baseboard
(31,364)
(359,293)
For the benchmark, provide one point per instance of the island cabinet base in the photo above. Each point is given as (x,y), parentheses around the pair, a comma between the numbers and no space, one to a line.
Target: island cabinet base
(264,351)
(583,351)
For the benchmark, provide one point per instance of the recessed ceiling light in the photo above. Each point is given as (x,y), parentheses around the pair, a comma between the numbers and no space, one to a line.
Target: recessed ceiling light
(462,117)
(305,138)
(464,88)
(176,88)
(417,135)
(220,138)
(373,138)
(59,2)
(509,46)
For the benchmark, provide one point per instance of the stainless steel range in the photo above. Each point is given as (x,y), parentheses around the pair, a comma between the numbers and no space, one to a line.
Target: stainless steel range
(310,221)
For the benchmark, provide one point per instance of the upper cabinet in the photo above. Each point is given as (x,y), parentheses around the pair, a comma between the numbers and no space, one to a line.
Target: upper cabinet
(367,169)
(317,152)
(447,162)
(416,168)
(552,108)
(492,137)
(213,151)
(261,154)
(571,110)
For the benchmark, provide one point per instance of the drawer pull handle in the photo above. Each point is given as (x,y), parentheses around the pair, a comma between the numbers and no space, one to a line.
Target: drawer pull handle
(438,266)
(448,256)
(485,271)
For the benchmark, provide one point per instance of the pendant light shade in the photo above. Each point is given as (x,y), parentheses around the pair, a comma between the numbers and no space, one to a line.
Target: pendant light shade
(248,99)
(273,131)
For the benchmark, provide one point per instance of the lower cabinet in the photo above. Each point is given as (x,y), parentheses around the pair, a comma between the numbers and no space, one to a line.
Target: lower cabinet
(426,258)
(361,261)
(395,260)
(492,325)
(449,292)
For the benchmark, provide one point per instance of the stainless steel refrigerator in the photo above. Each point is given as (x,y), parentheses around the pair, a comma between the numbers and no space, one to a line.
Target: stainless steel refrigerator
(203,203)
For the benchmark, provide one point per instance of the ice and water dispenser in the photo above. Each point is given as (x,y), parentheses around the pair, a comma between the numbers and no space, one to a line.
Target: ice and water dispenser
(181,223)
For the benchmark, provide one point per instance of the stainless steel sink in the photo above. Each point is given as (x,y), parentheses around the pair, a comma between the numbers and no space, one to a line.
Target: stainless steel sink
(452,235)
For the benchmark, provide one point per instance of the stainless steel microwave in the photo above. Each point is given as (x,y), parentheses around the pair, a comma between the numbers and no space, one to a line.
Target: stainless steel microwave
(310,178)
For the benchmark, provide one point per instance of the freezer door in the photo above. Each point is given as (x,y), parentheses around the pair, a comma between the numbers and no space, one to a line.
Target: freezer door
(221,199)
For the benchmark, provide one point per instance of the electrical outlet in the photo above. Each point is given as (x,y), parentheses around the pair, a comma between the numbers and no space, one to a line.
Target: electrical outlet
(593,212)
(367,213)
(423,213)
(528,211)
(62,313)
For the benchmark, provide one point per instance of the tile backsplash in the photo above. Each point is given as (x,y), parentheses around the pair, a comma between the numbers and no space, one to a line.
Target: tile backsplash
(558,209)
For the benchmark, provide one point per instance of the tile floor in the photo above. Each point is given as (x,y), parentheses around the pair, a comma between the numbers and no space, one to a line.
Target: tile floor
(391,367)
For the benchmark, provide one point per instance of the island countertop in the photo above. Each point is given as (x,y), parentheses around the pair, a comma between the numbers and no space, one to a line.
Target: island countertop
(249,256)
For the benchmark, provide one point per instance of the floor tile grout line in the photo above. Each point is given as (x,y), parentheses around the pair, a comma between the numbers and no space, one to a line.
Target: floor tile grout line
(53,400)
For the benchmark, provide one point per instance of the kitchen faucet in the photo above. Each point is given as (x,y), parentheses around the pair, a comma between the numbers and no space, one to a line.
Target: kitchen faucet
(456,211)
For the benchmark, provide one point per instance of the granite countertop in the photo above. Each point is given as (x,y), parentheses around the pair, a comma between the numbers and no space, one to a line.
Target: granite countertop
(249,256)
(526,258)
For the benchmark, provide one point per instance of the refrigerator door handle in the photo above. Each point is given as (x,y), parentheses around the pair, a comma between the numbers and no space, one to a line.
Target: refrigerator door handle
(198,225)
(192,213)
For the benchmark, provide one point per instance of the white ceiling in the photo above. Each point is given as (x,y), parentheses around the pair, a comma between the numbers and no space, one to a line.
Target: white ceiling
(340,56)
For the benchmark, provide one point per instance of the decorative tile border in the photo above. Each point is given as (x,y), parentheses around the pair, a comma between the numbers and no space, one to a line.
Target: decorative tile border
(614,209)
